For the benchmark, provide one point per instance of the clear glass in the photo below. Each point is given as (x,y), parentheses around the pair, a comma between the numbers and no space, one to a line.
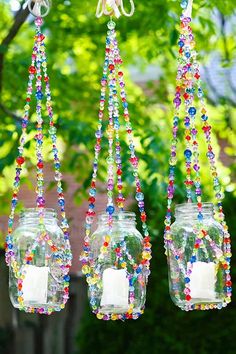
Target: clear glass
(45,269)
(116,287)
(196,276)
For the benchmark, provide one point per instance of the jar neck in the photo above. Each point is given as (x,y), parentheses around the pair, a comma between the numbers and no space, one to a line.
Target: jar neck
(33,215)
(190,211)
(122,218)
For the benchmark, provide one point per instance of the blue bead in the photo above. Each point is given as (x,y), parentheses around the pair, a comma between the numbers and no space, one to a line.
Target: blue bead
(187,153)
(204,117)
(200,217)
(66,277)
(125,104)
(177,257)
(181,44)
(187,280)
(61,202)
(188,55)
(92,192)
(139,196)
(138,270)
(39,95)
(193,259)
(91,206)
(192,111)
(210,154)
(110,209)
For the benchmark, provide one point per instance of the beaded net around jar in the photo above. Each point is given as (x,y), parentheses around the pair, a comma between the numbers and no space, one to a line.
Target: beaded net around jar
(38,72)
(188,86)
(113,82)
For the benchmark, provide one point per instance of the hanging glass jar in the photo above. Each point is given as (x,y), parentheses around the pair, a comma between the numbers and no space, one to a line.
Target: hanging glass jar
(203,282)
(116,257)
(39,275)
(117,283)
(198,242)
(38,251)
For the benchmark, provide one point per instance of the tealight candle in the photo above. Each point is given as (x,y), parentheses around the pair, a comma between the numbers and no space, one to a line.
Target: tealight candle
(115,288)
(202,280)
(35,284)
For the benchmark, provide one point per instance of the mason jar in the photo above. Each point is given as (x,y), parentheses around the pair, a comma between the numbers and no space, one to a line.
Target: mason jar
(197,275)
(38,275)
(117,286)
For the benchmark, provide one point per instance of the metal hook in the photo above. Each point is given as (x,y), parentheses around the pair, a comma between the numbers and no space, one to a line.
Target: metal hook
(39,8)
(111,7)
(187,12)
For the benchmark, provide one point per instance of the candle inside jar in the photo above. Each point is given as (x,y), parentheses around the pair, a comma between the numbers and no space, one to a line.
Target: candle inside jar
(115,288)
(202,280)
(35,284)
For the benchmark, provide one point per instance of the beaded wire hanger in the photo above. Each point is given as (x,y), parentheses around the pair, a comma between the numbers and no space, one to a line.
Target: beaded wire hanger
(38,72)
(113,81)
(188,86)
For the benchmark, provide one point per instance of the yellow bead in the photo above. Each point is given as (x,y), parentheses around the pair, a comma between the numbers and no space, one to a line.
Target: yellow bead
(107,238)
(99,316)
(86,269)
(114,317)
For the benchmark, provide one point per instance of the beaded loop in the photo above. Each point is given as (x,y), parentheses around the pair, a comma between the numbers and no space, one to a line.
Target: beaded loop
(37,71)
(188,83)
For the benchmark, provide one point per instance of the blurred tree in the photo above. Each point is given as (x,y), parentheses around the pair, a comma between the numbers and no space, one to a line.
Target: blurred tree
(75,47)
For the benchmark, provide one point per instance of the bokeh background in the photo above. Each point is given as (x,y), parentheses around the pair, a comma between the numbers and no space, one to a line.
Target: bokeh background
(75,48)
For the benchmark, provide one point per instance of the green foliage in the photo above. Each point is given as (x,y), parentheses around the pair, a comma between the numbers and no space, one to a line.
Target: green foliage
(75,49)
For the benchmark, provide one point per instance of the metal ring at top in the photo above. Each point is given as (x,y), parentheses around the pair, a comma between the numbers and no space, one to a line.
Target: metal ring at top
(39,8)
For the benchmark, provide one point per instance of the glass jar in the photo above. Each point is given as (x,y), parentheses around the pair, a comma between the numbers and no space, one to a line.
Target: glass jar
(117,286)
(38,278)
(197,276)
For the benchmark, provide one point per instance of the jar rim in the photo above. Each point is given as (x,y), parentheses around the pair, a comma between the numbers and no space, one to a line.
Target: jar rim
(35,211)
(193,207)
(117,216)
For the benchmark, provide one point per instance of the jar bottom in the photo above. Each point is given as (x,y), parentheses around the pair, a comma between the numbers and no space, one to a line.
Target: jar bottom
(113,309)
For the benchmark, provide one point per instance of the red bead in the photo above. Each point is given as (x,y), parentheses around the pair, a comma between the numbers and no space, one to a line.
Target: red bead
(188,137)
(228,283)
(46,78)
(20,160)
(28,99)
(111,67)
(188,297)
(40,164)
(143,218)
(119,172)
(32,69)
(92,200)
(196,245)
(197,76)
(117,250)
(186,95)
(106,244)
(120,73)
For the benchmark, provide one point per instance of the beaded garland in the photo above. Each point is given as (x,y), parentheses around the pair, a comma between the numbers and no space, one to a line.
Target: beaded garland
(188,84)
(38,71)
(113,79)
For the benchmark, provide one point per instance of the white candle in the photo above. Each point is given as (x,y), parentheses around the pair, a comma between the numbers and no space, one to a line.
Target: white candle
(202,280)
(35,284)
(115,288)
